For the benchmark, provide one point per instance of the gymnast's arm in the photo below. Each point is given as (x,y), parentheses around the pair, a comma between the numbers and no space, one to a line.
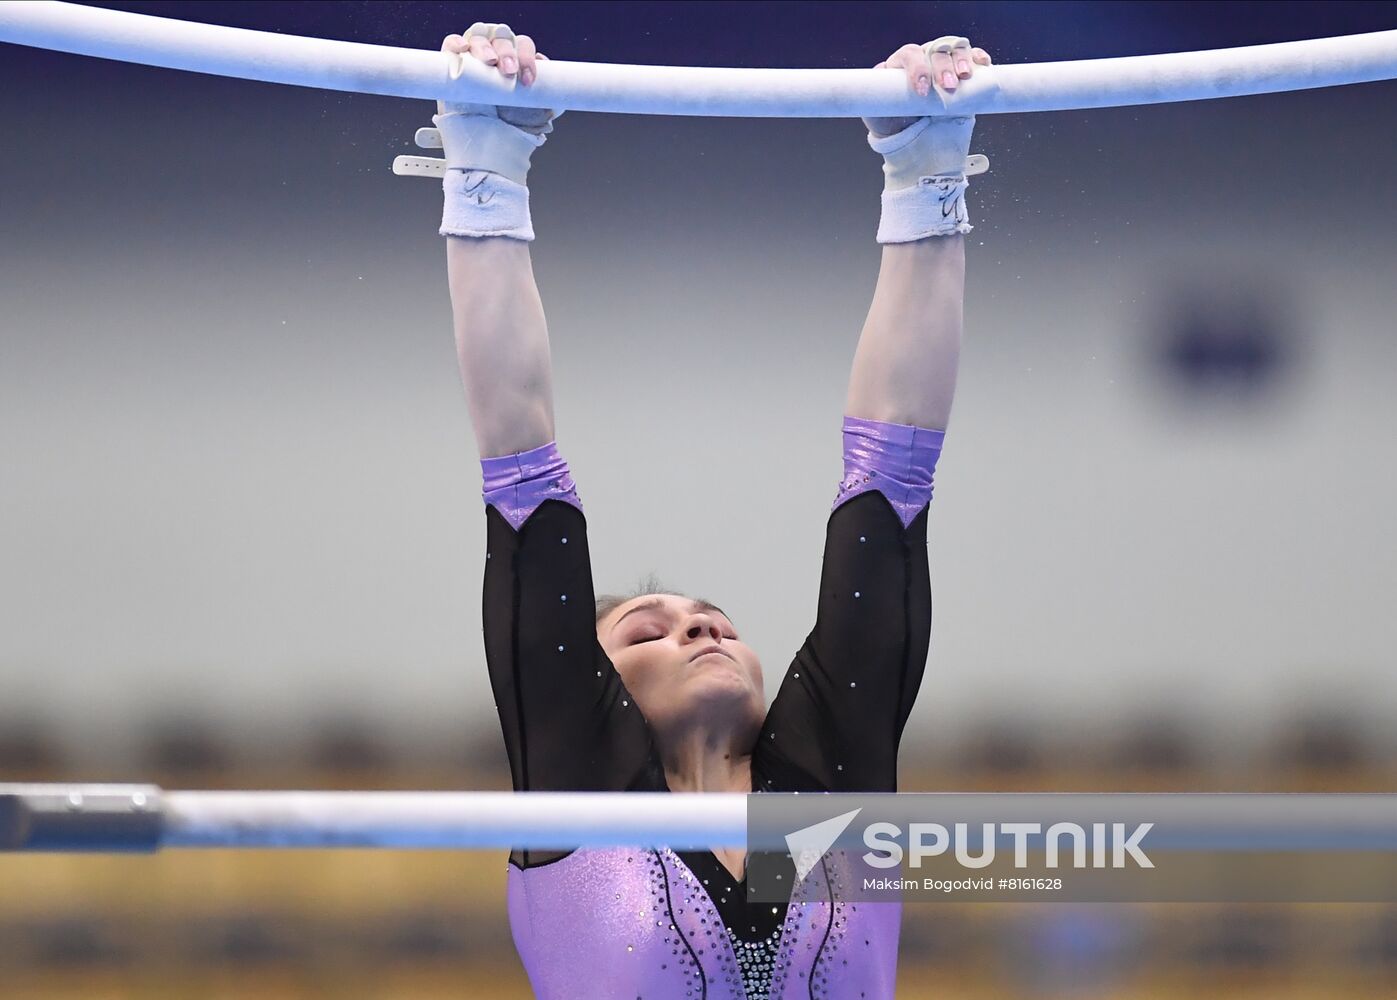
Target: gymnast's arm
(837,720)
(909,352)
(568,722)
(905,365)
(501,343)
(501,334)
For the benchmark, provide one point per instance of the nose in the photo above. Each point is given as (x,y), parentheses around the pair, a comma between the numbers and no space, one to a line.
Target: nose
(703,627)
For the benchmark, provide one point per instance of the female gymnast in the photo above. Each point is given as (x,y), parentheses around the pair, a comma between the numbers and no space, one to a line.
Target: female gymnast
(659,692)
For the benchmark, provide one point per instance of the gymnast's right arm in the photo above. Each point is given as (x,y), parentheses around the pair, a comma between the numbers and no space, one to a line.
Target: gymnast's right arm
(568,722)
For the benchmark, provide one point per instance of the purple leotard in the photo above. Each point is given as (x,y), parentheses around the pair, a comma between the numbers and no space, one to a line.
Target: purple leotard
(659,924)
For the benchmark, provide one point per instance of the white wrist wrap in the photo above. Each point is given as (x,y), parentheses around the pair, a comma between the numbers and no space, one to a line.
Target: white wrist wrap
(935,207)
(924,171)
(487,167)
(480,203)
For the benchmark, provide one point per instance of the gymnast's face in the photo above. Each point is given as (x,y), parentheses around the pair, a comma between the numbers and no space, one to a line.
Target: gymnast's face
(685,665)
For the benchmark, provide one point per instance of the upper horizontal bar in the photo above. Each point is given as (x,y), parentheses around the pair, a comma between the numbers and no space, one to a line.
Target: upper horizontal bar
(143,817)
(683,90)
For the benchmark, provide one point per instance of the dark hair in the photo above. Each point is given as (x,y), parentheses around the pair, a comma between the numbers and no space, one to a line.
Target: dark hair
(649,584)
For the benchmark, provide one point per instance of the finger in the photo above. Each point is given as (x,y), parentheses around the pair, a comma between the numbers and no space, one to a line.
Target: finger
(913,62)
(528,67)
(481,48)
(941,71)
(981,57)
(960,57)
(453,43)
(504,52)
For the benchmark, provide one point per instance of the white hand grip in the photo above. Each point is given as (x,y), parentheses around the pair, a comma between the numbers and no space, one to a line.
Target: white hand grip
(418,166)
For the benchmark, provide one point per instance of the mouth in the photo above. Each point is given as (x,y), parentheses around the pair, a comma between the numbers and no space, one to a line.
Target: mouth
(706,650)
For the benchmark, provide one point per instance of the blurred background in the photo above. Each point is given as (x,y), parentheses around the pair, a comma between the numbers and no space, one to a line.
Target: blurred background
(242,538)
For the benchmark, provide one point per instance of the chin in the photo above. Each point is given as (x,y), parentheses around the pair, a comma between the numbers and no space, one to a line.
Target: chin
(720,678)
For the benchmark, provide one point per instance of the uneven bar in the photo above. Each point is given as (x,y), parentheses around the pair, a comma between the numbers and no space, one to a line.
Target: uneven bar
(75,818)
(145,818)
(680,90)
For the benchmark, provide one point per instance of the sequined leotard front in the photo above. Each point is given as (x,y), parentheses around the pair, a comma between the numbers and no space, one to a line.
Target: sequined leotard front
(623,923)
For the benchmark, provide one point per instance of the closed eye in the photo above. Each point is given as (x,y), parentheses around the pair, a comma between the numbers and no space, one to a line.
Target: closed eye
(656,638)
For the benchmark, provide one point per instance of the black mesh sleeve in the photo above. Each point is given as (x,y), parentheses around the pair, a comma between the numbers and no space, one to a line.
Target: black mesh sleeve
(837,720)
(569,724)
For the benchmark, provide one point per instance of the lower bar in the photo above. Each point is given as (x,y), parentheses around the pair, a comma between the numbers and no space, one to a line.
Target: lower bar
(145,818)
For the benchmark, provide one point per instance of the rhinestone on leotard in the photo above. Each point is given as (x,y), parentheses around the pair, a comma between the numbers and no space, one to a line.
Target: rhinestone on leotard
(756,961)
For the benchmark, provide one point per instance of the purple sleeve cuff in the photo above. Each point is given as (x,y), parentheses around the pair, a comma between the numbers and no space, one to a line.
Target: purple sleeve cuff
(516,484)
(897,460)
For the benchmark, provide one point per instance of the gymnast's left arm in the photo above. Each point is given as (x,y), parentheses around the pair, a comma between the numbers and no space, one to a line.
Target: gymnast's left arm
(904,369)
(837,721)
